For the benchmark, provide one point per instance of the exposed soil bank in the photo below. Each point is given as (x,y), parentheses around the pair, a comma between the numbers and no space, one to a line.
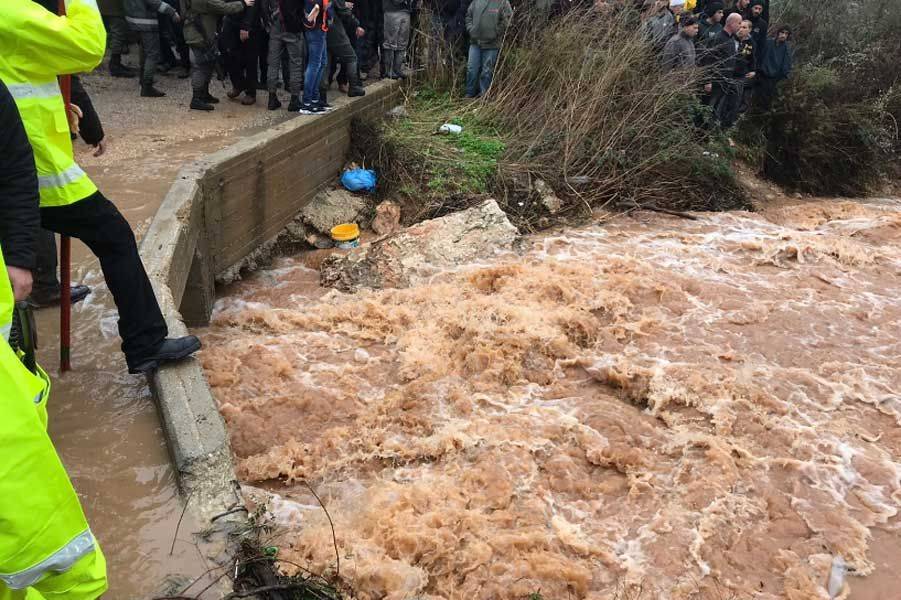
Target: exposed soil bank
(702,409)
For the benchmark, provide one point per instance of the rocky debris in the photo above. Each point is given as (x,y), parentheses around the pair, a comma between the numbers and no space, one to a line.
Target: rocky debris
(548,198)
(398,112)
(387,218)
(333,207)
(417,252)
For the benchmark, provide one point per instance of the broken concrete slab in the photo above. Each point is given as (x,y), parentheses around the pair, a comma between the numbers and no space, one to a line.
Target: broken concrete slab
(417,252)
(333,207)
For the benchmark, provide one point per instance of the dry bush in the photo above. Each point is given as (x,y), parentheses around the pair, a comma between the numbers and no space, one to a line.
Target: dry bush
(578,101)
(585,106)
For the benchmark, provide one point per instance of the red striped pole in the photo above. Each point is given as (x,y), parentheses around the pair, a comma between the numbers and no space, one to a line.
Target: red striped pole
(65,255)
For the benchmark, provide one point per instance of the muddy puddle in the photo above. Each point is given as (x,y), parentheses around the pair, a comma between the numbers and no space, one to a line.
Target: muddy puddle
(652,408)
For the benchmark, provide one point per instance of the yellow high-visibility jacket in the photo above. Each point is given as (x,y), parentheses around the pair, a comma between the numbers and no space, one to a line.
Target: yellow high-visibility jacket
(35,47)
(47,550)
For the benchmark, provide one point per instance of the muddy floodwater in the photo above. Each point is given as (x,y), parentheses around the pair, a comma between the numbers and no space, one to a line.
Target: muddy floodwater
(650,408)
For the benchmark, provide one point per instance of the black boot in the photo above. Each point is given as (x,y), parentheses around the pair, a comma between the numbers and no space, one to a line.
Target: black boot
(171,350)
(274,103)
(356,90)
(43,299)
(117,69)
(198,102)
(148,91)
(294,104)
(209,98)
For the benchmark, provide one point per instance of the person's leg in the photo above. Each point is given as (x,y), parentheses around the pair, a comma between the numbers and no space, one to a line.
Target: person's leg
(201,75)
(489,59)
(99,224)
(117,39)
(250,56)
(391,43)
(45,282)
(167,39)
(472,71)
(403,40)
(150,44)
(276,48)
(295,46)
(316,47)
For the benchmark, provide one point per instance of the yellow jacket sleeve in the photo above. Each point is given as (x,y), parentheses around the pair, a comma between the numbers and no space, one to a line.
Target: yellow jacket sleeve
(45,45)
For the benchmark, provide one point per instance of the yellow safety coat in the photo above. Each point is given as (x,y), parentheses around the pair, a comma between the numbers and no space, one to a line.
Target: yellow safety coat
(35,47)
(47,550)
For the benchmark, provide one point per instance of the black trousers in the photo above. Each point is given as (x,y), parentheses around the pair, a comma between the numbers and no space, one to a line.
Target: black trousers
(242,60)
(98,223)
(45,281)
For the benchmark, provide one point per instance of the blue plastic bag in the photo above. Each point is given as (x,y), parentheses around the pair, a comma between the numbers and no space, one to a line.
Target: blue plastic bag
(358,180)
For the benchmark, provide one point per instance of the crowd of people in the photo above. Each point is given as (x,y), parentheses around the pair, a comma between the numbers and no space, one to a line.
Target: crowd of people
(304,46)
(742,64)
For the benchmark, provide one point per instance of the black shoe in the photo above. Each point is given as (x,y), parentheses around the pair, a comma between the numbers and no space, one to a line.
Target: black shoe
(148,91)
(356,91)
(39,299)
(311,109)
(117,69)
(274,103)
(324,106)
(209,98)
(171,350)
(198,104)
(294,104)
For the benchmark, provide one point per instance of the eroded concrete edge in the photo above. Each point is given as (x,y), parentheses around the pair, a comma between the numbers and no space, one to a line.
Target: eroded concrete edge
(194,429)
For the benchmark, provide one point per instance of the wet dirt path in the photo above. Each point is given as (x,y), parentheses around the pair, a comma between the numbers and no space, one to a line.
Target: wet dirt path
(103,420)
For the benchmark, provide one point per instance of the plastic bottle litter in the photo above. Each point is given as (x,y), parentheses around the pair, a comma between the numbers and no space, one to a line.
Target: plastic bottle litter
(450,128)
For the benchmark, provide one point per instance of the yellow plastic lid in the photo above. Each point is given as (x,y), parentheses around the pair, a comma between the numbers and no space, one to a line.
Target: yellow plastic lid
(345,232)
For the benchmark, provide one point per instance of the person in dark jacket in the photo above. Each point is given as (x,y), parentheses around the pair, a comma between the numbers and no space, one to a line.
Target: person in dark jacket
(172,34)
(141,16)
(113,13)
(486,24)
(710,24)
(720,64)
(679,52)
(200,30)
(20,218)
(775,66)
(341,51)
(239,43)
(759,26)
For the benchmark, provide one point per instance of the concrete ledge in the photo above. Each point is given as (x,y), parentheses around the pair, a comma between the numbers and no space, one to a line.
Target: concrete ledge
(218,211)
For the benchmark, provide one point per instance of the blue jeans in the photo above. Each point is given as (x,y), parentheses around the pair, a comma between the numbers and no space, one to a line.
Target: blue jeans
(316,59)
(480,70)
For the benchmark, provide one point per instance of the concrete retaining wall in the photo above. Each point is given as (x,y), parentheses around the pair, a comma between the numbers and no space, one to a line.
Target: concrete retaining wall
(219,210)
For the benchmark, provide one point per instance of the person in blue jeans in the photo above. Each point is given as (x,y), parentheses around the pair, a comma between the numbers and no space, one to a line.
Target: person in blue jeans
(486,23)
(318,15)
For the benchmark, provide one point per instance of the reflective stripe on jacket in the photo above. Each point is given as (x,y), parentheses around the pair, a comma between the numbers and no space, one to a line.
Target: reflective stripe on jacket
(45,542)
(35,47)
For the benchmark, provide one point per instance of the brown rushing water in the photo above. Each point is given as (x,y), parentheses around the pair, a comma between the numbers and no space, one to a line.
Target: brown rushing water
(653,408)
(103,421)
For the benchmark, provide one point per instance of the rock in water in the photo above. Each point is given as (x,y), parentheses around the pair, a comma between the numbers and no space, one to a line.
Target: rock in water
(334,207)
(418,252)
(387,218)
